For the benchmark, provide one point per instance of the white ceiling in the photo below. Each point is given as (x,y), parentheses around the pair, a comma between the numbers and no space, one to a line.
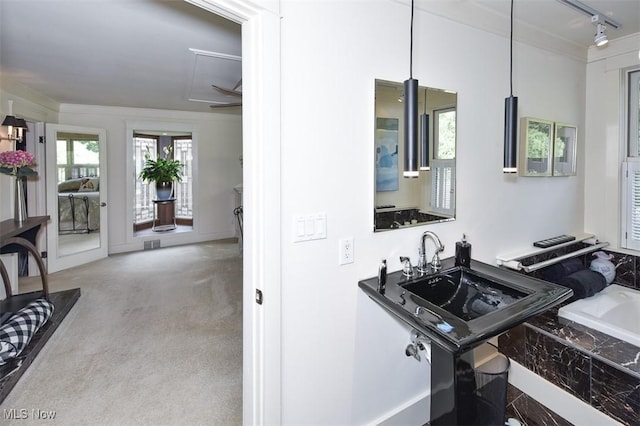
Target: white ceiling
(132,53)
(137,53)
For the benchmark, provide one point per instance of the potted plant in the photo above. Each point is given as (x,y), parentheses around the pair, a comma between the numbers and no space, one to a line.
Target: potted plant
(163,171)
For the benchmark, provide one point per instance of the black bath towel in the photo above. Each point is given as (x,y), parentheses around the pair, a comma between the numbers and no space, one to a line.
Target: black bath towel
(555,273)
(584,283)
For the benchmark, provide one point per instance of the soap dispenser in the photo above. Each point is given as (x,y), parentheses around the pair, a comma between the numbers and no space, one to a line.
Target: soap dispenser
(463,252)
(382,276)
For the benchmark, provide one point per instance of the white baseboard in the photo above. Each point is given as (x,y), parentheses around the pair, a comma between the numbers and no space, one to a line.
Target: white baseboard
(413,412)
(556,399)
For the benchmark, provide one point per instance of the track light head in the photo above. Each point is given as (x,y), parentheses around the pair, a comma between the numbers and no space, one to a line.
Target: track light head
(600,37)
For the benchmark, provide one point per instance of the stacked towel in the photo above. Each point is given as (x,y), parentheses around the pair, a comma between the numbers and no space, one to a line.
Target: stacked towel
(584,283)
(557,272)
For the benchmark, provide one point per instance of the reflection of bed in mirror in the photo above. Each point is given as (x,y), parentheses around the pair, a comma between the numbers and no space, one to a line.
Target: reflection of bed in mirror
(79,205)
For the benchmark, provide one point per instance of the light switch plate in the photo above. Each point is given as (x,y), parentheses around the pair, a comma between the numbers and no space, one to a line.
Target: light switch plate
(309,227)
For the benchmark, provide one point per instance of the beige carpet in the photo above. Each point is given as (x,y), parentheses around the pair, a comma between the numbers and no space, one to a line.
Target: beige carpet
(155,338)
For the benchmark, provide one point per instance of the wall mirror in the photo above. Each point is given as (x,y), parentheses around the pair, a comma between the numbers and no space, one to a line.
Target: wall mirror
(564,149)
(403,202)
(536,143)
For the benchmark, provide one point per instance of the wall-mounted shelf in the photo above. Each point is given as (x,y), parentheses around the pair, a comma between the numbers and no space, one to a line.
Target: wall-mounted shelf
(512,260)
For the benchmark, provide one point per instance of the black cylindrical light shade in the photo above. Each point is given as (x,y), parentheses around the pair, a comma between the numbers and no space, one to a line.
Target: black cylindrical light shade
(410,128)
(424,142)
(510,135)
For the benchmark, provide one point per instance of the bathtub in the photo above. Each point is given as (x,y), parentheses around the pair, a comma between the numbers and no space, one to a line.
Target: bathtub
(614,311)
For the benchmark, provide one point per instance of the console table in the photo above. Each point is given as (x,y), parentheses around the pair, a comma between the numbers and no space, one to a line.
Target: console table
(15,237)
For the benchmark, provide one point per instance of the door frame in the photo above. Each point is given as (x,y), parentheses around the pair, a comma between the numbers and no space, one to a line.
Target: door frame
(54,262)
(262,392)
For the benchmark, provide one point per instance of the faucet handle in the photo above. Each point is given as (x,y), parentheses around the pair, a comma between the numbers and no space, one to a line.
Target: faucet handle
(422,261)
(435,262)
(407,269)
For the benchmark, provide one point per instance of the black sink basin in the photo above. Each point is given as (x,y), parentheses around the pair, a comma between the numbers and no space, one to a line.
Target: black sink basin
(459,308)
(463,293)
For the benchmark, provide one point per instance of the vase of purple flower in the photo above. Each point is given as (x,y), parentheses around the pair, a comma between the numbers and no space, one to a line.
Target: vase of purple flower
(18,164)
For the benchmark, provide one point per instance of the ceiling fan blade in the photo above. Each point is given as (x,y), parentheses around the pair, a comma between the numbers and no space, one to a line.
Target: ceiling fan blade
(235,104)
(229,92)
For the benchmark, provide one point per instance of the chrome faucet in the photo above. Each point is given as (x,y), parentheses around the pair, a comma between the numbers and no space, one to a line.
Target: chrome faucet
(435,261)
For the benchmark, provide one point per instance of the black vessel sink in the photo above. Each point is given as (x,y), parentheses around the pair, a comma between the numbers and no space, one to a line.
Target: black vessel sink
(464,293)
(459,308)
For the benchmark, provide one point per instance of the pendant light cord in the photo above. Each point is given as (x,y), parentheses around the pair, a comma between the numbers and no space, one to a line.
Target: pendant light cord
(411,45)
(510,53)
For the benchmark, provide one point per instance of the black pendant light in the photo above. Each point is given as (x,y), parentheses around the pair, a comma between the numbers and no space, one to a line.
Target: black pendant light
(411,117)
(424,136)
(511,116)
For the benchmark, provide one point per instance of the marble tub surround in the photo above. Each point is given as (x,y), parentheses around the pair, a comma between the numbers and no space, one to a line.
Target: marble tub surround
(597,368)
(600,370)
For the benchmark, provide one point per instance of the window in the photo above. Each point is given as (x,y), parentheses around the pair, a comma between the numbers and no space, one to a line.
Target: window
(144,194)
(183,190)
(631,168)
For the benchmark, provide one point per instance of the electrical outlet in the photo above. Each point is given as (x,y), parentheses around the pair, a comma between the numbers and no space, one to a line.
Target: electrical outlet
(345,251)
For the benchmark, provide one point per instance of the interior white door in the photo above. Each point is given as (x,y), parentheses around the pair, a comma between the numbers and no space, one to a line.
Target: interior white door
(76,175)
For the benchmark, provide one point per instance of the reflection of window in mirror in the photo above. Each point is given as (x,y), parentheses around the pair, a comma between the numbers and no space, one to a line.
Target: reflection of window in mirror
(77,156)
(445,133)
(155,144)
(443,169)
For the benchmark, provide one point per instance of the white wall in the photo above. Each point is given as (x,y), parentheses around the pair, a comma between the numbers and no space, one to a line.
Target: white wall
(604,135)
(217,149)
(343,358)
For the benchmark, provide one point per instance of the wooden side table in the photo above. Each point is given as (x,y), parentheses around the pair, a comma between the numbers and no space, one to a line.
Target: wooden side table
(164,215)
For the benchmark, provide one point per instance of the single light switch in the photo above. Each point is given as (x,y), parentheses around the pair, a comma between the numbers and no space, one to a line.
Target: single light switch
(321,226)
(309,227)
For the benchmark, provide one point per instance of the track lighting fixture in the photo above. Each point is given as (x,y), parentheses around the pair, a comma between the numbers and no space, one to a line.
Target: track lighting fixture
(411,116)
(510,164)
(601,37)
(601,21)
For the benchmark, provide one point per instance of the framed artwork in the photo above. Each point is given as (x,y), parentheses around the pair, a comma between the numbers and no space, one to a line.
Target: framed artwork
(536,147)
(386,154)
(565,142)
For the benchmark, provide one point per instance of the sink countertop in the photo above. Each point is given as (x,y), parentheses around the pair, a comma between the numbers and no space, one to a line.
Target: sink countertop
(453,333)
